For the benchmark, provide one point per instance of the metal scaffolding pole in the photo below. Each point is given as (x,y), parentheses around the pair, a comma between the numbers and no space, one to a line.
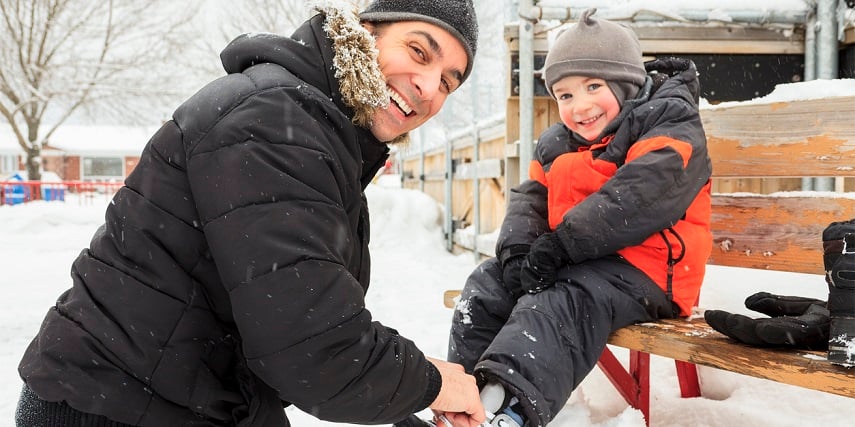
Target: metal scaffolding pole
(770,16)
(476,181)
(827,61)
(526,86)
(449,202)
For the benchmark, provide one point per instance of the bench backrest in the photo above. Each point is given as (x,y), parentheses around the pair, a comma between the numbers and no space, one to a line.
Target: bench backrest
(805,138)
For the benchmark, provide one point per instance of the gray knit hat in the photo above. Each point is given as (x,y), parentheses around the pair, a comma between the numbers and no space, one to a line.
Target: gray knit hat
(455,16)
(597,48)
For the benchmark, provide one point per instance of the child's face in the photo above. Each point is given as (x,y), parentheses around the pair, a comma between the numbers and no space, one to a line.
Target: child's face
(586,105)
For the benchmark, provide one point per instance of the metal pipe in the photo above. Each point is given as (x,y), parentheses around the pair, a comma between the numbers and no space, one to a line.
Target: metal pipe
(810,46)
(827,45)
(810,68)
(476,183)
(449,177)
(827,60)
(421,159)
(476,190)
(548,12)
(526,96)
(495,120)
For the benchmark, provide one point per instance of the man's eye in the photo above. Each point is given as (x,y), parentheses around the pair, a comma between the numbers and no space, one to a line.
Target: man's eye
(419,52)
(446,85)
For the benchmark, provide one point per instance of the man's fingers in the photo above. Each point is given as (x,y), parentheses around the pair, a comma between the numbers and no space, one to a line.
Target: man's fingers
(445,365)
(456,419)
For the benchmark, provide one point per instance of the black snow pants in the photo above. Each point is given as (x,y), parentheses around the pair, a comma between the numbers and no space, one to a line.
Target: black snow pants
(541,346)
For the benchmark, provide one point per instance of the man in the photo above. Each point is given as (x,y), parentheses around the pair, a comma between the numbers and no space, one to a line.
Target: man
(229,277)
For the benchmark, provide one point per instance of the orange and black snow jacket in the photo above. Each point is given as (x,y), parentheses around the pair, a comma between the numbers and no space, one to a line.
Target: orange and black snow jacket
(642,191)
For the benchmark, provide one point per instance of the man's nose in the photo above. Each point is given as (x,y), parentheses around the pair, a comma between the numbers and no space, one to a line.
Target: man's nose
(428,83)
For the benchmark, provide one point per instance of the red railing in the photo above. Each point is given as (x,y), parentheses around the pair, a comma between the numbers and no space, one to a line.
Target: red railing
(17,192)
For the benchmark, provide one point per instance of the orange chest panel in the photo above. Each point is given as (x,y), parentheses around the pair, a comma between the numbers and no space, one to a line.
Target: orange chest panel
(572,178)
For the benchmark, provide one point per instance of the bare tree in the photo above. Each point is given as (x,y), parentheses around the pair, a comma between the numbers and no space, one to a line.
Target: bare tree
(220,21)
(269,16)
(63,57)
(278,16)
(223,20)
(272,16)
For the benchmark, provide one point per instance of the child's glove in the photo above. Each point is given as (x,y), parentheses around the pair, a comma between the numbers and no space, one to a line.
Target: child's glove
(546,256)
(796,322)
(511,275)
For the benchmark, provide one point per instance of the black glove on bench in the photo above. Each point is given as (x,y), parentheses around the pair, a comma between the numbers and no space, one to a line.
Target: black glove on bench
(796,322)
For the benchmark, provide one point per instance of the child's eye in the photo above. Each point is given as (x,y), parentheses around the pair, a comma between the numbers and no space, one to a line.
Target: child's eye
(594,86)
(564,96)
(446,85)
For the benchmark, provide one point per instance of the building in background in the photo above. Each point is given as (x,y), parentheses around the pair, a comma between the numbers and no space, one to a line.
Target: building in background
(81,152)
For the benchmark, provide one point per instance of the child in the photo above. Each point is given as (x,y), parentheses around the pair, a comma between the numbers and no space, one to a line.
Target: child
(612,228)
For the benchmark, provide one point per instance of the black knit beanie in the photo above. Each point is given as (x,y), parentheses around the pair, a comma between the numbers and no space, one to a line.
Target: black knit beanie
(601,49)
(455,16)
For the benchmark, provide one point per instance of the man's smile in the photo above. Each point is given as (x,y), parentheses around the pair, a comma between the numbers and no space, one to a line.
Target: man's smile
(398,100)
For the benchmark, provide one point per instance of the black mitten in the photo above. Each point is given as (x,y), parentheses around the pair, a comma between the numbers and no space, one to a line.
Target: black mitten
(780,305)
(796,322)
(546,256)
(511,275)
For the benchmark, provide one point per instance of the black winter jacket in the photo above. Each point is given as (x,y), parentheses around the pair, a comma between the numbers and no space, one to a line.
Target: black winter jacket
(229,277)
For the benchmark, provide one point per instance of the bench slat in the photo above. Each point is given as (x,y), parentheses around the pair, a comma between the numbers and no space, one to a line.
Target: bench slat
(785,139)
(774,233)
(692,340)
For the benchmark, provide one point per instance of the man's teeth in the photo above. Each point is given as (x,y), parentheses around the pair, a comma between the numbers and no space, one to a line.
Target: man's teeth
(400,103)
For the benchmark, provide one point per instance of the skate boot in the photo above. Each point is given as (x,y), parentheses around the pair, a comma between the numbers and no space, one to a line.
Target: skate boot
(502,409)
(838,241)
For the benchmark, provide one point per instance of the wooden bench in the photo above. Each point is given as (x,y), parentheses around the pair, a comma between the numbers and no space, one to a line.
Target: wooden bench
(781,231)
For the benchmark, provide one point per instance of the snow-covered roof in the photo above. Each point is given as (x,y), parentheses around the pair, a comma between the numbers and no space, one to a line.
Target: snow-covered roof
(8,143)
(676,5)
(87,140)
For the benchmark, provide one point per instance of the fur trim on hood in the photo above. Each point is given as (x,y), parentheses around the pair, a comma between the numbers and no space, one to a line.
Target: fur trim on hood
(362,85)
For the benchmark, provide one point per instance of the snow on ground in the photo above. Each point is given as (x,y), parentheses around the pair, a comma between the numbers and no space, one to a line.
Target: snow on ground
(411,270)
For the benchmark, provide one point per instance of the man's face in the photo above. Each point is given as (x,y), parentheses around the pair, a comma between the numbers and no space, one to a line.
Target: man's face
(422,64)
(585,104)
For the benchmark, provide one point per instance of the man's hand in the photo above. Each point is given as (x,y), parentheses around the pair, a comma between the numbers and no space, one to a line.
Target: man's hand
(796,322)
(458,399)
(546,256)
(450,419)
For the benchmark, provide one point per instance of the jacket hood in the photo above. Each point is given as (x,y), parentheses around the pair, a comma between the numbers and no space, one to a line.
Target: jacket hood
(674,77)
(332,51)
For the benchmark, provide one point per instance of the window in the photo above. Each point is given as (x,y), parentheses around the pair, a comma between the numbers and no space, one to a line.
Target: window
(8,164)
(103,168)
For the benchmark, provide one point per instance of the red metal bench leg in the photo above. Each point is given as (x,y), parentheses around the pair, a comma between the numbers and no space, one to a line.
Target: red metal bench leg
(619,377)
(633,385)
(687,374)
(639,367)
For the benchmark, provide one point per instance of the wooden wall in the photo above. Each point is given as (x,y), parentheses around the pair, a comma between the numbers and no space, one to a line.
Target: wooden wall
(491,185)
(806,125)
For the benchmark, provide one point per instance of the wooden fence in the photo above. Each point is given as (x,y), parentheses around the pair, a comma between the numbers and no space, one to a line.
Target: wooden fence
(805,126)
